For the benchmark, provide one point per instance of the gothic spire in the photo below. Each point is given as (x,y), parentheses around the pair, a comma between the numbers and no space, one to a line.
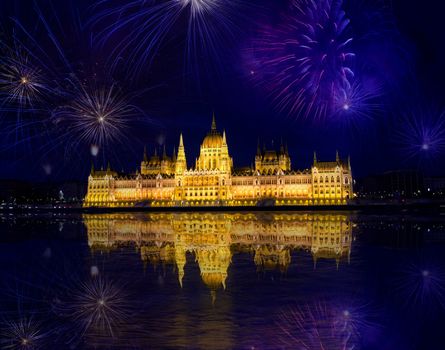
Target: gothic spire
(224,137)
(181,141)
(315,157)
(145,154)
(213,122)
(337,157)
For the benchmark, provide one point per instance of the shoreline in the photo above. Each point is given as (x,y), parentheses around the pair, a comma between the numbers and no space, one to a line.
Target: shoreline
(430,207)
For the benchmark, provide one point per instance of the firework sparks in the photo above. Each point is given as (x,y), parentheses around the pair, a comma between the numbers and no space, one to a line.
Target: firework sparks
(317,326)
(22,83)
(22,334)
(96,116)
(307,62)
(423,136)
(97,304)
(422,285)
(356,103)
(146,26)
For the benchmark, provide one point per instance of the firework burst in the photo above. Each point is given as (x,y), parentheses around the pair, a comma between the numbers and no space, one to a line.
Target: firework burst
(422,286)
(22,334)
(356,103)
(317,326)
(97,304)
(23,82)
(422,136)
(307,63)
(96,116)
(142,28)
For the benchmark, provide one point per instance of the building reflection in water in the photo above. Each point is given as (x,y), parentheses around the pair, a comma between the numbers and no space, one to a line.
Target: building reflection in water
(166,238)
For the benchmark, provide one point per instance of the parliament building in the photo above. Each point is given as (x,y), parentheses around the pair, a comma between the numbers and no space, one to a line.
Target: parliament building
(213,181)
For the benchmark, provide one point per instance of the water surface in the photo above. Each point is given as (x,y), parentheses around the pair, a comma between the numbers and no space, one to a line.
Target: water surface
(269,280)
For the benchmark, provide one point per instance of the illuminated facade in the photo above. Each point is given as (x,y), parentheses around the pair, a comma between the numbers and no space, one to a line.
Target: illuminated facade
(214,238)
(213,181)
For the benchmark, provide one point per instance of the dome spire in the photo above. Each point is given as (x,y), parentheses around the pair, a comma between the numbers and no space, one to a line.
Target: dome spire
(213,122)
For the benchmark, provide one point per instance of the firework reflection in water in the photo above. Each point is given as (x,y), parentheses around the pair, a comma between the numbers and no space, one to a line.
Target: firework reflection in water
(319,326)
(95,305)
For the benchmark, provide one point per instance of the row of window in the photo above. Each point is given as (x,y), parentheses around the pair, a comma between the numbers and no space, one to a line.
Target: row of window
(201,194)
(326,179)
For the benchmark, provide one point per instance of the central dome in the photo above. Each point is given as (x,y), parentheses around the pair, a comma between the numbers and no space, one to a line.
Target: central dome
(213,141)
(213,138)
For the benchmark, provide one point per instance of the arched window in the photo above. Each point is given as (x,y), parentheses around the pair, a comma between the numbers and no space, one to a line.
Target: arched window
(346,180)
(327,179)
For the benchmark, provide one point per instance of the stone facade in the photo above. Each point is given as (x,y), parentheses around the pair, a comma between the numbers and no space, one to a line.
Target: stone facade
(167,181)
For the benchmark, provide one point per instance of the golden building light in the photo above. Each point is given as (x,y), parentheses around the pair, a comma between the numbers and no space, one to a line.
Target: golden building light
(167,180)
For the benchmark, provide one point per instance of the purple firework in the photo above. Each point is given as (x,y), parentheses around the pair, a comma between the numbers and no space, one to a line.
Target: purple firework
(306,63)
(423,135)
(317,326)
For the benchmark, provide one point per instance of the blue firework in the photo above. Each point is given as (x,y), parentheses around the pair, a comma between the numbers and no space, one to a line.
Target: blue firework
(95,116)
(317,326)
(422,135)
(357,103)
(307,63)
(139,29)
(422,286)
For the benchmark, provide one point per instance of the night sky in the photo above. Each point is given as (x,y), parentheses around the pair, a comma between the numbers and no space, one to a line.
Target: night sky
(226,67)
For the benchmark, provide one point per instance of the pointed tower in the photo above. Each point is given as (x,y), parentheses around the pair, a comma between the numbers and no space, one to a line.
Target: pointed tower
(258,157)
(181,162)
(315,158)
(174,155)
(213,128)
(145,154)
(144,163)
(337,157)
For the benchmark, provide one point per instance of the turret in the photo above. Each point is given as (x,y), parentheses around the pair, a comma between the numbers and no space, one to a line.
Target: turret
(315,158)
(145,154)
(258,149)
(181,161)
(174,154)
